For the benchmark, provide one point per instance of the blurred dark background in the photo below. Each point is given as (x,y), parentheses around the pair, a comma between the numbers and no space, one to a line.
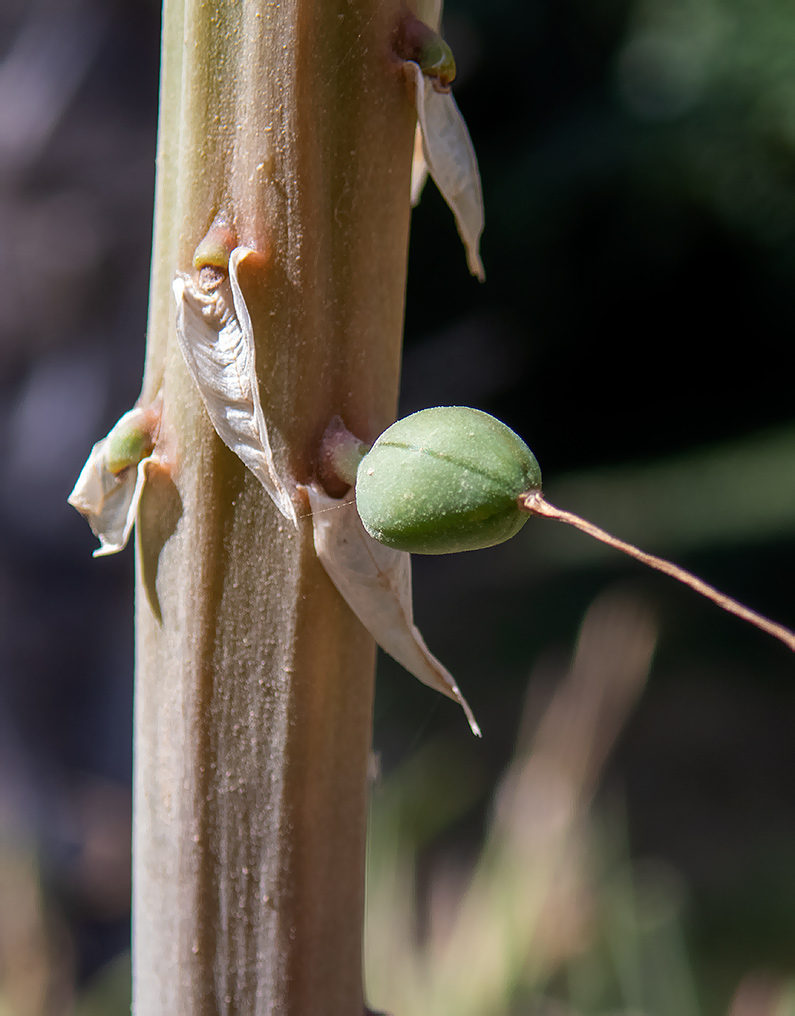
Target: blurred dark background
(638,166)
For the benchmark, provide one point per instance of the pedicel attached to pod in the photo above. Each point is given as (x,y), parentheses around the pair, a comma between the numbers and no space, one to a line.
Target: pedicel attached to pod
(217,342)
(452,478)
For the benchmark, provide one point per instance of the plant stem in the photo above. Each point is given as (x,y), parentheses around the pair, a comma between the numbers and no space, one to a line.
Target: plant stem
(254,680)
(534,503)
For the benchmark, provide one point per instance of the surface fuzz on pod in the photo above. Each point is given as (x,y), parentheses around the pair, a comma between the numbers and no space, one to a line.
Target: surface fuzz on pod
(444,480)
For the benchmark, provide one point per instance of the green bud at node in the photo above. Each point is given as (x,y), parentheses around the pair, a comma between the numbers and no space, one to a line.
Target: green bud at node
(444,480)
(418,42)
(214,250)
(436,60)
(130,441)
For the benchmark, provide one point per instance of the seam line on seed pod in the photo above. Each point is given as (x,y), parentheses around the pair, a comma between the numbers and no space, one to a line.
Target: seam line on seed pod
(442,458)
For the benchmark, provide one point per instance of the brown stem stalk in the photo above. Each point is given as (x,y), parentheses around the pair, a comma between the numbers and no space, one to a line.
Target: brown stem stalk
(534,503)
(254,681)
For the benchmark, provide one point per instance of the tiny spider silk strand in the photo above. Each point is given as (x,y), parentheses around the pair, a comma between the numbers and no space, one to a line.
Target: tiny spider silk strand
(534,503)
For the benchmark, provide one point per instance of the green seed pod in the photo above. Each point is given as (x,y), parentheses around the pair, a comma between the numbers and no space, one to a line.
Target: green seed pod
(445,480)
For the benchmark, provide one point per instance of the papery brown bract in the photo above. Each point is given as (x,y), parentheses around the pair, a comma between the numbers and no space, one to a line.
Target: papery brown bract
(375,582)
(217,341)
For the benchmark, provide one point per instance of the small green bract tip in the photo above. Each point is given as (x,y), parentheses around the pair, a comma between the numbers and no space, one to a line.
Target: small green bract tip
(129,442)
(436,60)
(214,250)
(445,480)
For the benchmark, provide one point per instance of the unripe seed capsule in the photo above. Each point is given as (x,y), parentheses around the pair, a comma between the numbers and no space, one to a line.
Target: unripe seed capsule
(444,480)
(453,478)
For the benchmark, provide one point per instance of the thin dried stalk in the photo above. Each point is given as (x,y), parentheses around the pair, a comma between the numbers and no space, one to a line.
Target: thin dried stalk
(535,503)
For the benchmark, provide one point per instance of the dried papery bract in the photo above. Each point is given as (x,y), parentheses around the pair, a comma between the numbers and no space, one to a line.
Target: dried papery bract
(419,169)
(375,582)
(451,161)
(109,487)
(217,342)
(429,12)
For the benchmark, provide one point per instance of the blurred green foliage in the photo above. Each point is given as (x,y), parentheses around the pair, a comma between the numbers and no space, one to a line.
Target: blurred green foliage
(637,159)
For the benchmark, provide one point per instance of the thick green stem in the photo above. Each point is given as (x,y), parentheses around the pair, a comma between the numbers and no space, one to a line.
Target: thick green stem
(254,680)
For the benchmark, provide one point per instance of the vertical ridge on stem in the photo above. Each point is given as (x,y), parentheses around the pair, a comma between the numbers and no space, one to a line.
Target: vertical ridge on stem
(254,681)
